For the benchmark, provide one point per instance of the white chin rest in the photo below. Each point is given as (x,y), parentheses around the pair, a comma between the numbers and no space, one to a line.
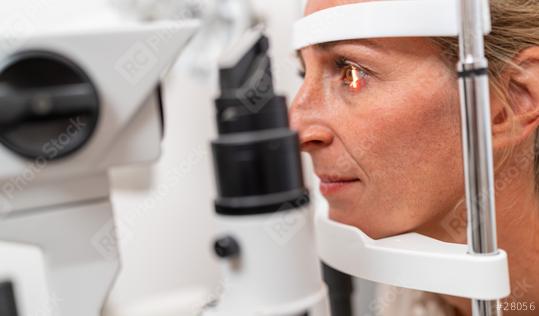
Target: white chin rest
(413,261)
(378,19)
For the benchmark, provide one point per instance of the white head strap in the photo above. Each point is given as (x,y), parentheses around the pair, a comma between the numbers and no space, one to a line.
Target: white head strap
(386,18)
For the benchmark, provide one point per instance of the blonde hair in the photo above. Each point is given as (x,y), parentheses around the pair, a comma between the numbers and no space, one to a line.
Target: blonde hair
(515,27)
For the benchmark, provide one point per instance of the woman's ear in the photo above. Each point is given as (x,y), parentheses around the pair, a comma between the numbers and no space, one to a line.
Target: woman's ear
(518,121)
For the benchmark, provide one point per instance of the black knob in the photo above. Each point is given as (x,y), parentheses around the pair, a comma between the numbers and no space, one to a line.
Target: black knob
(49,107)
(227,247)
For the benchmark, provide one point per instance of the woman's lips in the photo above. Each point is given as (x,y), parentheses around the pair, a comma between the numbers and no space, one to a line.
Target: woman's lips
(331,184)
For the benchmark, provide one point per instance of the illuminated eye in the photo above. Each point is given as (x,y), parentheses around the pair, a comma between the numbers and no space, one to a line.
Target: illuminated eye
(353,77)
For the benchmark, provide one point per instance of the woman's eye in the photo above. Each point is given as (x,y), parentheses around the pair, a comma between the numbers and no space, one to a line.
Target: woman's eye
(352,75)
(300,66)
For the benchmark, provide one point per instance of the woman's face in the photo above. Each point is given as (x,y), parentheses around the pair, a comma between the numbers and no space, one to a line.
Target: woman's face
(380,119)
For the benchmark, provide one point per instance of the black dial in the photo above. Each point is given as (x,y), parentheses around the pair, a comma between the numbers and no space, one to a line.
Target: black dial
(226,247)
(49,107)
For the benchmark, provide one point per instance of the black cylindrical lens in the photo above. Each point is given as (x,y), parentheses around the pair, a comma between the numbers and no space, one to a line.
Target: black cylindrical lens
(256,156)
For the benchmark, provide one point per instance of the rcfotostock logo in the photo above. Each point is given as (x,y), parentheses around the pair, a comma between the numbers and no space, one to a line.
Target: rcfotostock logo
(15,31)
(161,9)
(55,146)
(143,56)
(107,240)
(258,91)
(456,222)
(5,206)
(136,63)
(285,224)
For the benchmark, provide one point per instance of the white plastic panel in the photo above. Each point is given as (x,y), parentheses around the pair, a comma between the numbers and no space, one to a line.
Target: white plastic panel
(377,19)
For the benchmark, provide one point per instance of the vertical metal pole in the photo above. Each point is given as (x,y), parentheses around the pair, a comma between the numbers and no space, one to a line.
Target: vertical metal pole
(477,141)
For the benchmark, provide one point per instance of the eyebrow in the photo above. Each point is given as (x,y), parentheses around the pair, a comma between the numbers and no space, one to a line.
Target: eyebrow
(359,42)
(328,46)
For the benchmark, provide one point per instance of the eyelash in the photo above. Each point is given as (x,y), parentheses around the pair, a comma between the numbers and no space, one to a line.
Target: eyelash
(341,64)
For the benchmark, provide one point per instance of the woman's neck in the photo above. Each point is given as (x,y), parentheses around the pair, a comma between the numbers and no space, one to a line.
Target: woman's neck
(518,234)
(517,214)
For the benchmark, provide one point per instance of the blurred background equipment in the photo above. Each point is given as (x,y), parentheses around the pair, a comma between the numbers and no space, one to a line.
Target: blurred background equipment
(70,112)
(168,264)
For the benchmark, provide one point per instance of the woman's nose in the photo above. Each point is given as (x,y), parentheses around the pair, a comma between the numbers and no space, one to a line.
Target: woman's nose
(314,138)
(306,117)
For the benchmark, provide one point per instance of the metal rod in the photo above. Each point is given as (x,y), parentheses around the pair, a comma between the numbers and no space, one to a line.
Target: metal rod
(477,141)
(341,289)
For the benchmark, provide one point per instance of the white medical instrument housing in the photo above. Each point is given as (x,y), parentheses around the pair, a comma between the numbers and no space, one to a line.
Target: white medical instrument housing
(411,260)
(265,238)
(73,104)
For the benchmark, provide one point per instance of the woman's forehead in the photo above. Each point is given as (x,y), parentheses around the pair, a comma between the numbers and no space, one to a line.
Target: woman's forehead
(317,5)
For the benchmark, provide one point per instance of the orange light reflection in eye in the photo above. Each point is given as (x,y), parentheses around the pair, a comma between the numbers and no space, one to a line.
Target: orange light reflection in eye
(352,78)
(355,84)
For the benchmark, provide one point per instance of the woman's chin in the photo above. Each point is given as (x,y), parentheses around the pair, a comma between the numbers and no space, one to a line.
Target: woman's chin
(374,226)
